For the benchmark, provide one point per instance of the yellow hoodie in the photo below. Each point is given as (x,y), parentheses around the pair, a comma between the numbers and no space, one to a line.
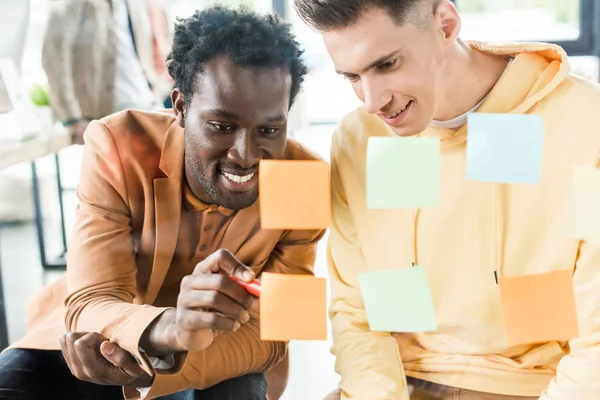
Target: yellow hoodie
(457,248)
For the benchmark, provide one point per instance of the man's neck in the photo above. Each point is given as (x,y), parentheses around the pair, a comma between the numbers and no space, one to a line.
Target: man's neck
(195,186)
(470,76)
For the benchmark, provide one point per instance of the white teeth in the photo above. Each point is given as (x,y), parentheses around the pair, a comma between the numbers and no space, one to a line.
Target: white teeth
(394,115)
(238,178)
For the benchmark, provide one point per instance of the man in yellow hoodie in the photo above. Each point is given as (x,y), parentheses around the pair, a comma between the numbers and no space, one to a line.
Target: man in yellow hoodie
(405,61)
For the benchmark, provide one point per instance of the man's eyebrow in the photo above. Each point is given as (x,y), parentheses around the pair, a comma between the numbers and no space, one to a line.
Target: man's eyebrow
(375,63)
(274,118)
(221,113)
(229,115)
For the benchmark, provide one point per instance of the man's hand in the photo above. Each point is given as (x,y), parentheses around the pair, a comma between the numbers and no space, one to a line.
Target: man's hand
(76,130)
(209,301)
(92,358)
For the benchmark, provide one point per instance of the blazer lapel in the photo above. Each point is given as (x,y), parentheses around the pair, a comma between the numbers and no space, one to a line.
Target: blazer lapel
(167,210)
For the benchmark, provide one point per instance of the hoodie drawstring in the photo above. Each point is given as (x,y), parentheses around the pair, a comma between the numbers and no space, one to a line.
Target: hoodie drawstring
(497,243)
(497,237)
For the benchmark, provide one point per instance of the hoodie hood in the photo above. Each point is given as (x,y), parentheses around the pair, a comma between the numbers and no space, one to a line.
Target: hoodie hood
(537,69)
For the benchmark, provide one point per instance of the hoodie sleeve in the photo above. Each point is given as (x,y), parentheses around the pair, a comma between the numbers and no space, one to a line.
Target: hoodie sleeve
(578,373)
(369,362)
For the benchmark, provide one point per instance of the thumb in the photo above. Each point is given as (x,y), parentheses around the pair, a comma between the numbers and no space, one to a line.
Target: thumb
(116,355)
(223,260)
(244,273)
(107,348)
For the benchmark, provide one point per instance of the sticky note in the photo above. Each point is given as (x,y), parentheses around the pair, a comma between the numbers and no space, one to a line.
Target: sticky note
(538,308)
(582,216)
(403,172)
(292,307)
(398,300)
(294,194)
(505,148)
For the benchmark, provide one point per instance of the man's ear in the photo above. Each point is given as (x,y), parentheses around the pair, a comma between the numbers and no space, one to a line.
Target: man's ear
(450,22)
(178,101)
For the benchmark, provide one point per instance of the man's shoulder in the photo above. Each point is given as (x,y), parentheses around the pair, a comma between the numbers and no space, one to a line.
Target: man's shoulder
(577,102)
(134,139)
(354,130)
(581,83)
(579,93)
(137,133)
(139,122)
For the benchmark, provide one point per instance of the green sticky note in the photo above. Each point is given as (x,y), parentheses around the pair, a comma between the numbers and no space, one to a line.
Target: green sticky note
(582,215)
(398,300)
(403,172)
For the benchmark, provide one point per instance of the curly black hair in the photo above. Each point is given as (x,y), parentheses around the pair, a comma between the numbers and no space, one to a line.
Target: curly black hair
(247,38)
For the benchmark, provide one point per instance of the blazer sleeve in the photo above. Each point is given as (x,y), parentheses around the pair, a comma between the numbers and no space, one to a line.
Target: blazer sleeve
(242,352)
(101,268)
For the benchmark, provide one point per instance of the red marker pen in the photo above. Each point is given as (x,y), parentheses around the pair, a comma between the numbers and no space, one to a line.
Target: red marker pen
(251,287)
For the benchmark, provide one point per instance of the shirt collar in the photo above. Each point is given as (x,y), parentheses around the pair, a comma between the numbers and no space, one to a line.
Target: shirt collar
(194,204)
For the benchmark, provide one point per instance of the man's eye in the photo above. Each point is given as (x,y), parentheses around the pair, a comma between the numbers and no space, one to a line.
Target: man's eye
(222,127)
(351,77)
(386,65)
(268,131)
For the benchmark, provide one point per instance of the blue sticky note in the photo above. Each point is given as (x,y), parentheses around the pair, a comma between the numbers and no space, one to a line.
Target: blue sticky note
(505,148)
(403,172)
(398,300)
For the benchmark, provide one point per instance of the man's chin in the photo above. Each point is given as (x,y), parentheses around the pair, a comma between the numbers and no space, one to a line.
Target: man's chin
(408,130)
(238,201)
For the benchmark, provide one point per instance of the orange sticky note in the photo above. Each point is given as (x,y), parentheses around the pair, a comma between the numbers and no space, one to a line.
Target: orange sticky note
(292,307)
(539,308)
(294,194)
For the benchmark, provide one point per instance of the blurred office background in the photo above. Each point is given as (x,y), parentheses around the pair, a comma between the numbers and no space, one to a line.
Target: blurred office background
(31,248)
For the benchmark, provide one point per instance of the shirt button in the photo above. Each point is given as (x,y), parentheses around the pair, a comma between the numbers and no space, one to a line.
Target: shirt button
(207,228)
(203,247)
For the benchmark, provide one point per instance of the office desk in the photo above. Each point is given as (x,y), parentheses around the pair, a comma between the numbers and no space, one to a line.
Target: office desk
(29,151)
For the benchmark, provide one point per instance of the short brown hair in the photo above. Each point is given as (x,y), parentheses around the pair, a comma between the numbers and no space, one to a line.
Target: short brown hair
(327,15)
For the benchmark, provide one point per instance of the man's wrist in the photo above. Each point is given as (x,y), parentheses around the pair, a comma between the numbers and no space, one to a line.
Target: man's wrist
(160,338)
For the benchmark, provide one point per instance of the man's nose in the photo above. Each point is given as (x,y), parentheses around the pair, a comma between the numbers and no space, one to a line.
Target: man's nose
(375,95)
(245,151)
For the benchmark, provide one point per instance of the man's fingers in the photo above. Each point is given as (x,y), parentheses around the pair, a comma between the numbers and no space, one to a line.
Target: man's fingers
(87,340)
(63,344)
(65,351)
(215,301)
(223,260)
(254,306)
(193,321)
(88,352)
(214,282)
(73,361)
(121,358)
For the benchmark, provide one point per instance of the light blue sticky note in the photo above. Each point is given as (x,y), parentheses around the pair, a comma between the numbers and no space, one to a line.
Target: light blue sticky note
(398,300)
(505,148)
(403,172)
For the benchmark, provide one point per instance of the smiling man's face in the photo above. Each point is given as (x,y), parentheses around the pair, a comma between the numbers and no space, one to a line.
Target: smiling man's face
(393,68)
(235,118)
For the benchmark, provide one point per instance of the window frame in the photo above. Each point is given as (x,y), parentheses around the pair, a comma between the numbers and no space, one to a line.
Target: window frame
(280,7)
(588,43)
